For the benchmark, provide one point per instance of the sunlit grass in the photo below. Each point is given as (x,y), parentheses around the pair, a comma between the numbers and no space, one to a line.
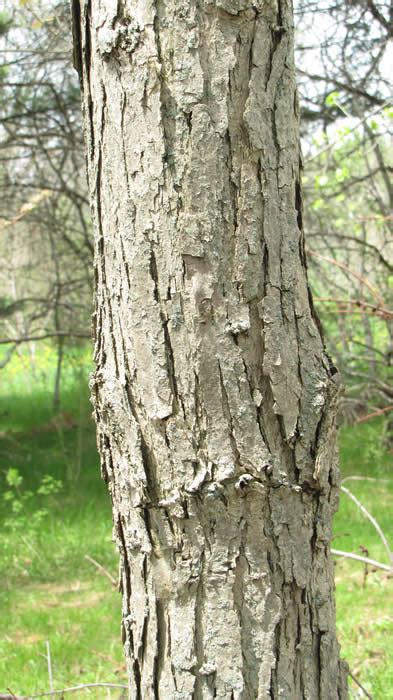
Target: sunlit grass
(80,618)
(364,599)
(49,591)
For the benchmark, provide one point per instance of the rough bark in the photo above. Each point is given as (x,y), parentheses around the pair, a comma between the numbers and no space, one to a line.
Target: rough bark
(214,398)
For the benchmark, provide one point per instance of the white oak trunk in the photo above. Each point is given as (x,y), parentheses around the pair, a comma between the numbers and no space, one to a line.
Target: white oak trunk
(213,395)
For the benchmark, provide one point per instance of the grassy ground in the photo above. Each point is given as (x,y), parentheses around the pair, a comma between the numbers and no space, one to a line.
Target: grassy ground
(49,591)
(364,609)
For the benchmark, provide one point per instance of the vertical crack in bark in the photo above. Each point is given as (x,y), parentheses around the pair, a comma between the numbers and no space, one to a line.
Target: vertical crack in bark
(124,149)
(170,361)
(199,439)
(230,248)
(137,679)
(228,416)
(150,468)
(154,275)
(143,647)
(127,618)
(242,567)
(126,565)
(161,643)
(126,278)
(148,526)
(198,642)
(167,103)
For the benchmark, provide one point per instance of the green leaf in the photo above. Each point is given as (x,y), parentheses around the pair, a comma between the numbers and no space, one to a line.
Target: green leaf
(321,180)
(13,478)
(318,204)
(332,99)
(342,173)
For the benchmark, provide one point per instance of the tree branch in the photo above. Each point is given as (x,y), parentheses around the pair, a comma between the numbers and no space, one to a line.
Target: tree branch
(73,689)
(365,560)
(52,334)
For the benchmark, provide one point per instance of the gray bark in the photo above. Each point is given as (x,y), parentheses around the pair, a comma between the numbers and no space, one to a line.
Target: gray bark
(213,395)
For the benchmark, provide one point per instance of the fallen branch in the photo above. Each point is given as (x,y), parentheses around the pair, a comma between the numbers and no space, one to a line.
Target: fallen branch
(364,560)
(102,570)
(372,520)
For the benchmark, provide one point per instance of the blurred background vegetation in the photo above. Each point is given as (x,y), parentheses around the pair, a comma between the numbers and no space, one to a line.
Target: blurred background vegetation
(54,509)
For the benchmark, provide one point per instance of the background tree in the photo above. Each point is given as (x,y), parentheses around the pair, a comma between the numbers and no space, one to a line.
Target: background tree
(46,245)
(347,148)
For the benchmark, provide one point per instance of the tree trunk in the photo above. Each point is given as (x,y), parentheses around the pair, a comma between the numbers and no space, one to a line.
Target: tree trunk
(214,398)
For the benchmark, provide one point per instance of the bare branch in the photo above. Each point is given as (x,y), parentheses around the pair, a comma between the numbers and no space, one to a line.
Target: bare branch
(364,478)
(371,518)
(101,569)
(375,413)
(341,265)
(52,334)
(358,683)
(73,689)
(365,560)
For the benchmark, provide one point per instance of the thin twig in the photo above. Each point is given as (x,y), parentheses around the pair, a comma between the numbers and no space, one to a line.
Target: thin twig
(360,685)
(375,413)
(101,569)
(365,478)
(340,139)
(344,267)
(73,689)
(363,307)
(365,560)
(372,520)
(43,336)
(48,656)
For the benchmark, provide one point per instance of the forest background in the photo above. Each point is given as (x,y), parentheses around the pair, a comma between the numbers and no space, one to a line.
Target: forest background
(59,607)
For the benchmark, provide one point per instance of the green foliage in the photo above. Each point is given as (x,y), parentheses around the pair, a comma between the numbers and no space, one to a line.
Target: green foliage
(8,307)
(5,23)
(332,99)
(25,510)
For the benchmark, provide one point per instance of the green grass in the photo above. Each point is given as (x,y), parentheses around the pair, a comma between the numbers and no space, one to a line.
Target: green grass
(49,591)
(365,607)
